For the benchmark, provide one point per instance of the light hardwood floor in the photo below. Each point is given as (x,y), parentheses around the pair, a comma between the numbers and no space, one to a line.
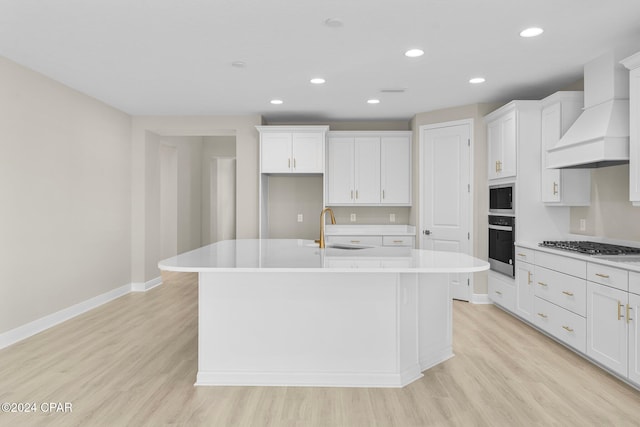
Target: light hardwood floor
(133,362)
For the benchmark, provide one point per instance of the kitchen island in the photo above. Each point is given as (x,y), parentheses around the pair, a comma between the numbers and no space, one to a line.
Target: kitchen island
(284,312)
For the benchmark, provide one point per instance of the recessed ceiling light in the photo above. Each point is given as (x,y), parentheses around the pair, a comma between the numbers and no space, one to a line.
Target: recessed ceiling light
(333,23)
(317,81)
(373,101)
(238,64)
(476,80)
(276,101)
(531,32)
(414,53)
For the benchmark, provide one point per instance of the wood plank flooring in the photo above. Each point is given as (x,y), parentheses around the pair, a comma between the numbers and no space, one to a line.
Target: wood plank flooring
(133,362)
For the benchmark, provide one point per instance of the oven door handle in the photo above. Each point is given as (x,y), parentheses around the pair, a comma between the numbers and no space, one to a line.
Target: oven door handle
(500,227)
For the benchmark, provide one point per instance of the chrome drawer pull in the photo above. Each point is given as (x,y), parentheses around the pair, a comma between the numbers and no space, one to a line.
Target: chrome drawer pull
(568,293)
(604,276)
(498,292)
(567,328)
(629,319)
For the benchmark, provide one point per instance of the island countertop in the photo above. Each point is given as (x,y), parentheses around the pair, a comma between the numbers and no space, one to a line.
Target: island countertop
(296,255)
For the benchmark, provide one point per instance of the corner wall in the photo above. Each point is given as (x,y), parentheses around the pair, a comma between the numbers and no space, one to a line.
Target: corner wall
(65,172)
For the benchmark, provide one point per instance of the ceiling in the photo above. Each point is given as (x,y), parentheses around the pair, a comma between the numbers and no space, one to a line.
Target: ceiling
(174,57)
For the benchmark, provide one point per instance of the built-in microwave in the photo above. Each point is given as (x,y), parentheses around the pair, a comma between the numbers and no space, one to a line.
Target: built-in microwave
(501,198)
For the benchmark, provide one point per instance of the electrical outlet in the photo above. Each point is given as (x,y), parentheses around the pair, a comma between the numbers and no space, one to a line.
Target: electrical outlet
(392,217)
(353,217)
(583,224)
(299,217)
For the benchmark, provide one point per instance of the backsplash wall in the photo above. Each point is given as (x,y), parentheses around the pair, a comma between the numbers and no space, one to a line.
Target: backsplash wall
(371,215)
(611,214)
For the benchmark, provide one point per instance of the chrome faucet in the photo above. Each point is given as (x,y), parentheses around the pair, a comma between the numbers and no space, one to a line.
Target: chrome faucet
(333,221)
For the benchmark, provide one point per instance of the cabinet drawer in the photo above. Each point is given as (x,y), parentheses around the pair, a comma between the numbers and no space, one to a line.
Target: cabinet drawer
(397,241)
(566,265)
(568,327)
(356,240)
(502,293)
(610,276)
(561,289)
(524,254)
(634,283)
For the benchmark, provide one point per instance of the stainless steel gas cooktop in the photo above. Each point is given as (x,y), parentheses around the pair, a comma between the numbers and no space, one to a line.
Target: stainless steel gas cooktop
(591,248)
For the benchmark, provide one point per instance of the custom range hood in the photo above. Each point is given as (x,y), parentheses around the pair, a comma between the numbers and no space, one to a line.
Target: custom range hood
(600,136)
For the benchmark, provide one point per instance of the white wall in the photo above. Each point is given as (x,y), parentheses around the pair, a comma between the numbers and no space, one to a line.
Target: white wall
(65,174)
(145,215)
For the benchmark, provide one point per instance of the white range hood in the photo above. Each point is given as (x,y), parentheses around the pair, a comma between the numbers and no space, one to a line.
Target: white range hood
(600,136)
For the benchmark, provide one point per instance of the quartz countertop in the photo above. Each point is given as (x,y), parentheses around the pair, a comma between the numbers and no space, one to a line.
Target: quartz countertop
(294,255)
(369,230)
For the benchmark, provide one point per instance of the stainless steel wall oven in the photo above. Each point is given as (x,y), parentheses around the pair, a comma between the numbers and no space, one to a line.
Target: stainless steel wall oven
(501,244)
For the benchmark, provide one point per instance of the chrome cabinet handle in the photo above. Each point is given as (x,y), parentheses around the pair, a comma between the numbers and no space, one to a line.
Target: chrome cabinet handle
(604,276)
(619,307)
(555,188)
(351,194)
(383,194)
(356,194)
(629,319)
(498,292)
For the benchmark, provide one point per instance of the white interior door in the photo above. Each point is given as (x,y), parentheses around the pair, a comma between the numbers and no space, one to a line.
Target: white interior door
(446,195)
(222,199)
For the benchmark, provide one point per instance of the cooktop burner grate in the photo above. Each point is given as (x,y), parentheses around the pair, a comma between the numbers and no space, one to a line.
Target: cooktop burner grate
(591,248)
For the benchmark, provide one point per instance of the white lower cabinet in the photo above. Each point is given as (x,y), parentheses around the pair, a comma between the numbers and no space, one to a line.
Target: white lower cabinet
(607,339)
(634,337)
(524,290)
(502,291)
(568,327)
(591,307)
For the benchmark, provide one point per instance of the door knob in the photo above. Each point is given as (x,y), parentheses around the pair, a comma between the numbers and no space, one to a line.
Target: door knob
(426,232)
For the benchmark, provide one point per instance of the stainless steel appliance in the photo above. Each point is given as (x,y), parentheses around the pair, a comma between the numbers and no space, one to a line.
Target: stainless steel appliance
(501,244)
(501,198)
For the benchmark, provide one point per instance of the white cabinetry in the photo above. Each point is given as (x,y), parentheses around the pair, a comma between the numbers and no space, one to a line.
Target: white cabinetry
(292,149)
(633,64)
(369,168)
(502,290)
(607,328)
(524,290)
(633,320)
(562,187)
(502,142)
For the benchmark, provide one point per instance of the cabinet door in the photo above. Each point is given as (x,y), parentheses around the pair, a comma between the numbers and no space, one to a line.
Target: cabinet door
(367,170)
(633,320)
(340,172)
(308,152)
(634,145)
(395,171)
(607,327)
(276,152)
(494,137)
(551,132)
(524,290)
(509,141)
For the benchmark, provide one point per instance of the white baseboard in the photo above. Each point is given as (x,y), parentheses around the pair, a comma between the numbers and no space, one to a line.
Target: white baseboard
(144,287)
(25,331)
(480,299)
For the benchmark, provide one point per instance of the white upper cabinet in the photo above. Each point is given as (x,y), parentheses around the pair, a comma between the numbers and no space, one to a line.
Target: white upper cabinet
(395,170)
(562,187)
(369,168)
(292,149)
(502,145)
(633,64)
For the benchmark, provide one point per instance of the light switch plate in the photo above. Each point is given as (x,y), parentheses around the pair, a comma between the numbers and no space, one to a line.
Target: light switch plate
(299,217)
(583,224)
(392,217)
(353,217)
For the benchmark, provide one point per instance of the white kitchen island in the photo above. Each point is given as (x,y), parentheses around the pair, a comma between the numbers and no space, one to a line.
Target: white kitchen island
(284,312)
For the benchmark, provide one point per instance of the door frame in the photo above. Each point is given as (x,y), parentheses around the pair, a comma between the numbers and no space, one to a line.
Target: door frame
(421,166)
